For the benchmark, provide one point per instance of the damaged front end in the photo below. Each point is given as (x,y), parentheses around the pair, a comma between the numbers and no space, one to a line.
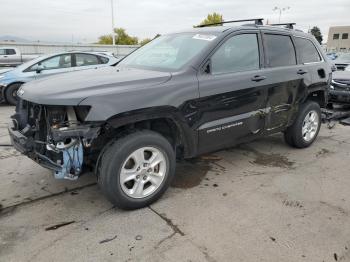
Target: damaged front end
(56,137)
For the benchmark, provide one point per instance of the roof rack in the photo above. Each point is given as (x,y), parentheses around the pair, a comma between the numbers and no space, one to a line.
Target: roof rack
(257,21)
(288,25)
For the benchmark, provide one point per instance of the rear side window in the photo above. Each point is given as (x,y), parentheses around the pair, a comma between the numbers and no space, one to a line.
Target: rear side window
(280,50)
(104,60)
(239,53)
(10,52)
(86,59)
(307,51)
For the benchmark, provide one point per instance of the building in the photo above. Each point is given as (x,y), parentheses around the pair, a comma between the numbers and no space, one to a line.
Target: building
(339,39)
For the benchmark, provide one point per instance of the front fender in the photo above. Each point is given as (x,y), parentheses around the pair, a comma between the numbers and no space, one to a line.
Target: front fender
(187,135)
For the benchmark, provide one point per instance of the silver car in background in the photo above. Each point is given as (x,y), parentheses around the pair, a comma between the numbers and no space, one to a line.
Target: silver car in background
(342,61)
(11,80)
(11,56)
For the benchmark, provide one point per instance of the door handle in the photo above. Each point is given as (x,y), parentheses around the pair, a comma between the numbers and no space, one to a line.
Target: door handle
(301,72)
(258,78)
(5,56)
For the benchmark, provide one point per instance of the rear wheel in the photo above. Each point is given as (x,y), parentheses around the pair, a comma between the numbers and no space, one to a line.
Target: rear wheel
(11,93)
(306,126)
(137,169)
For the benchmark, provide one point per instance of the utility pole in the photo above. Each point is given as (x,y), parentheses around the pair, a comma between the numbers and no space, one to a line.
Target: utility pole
(113,33)
(280,10)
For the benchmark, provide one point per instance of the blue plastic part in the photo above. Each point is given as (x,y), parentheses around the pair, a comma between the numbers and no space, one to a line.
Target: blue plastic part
(72,163)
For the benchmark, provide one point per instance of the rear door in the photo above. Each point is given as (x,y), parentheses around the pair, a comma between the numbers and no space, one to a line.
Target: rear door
(232,92)
(311,59)
(86,61)
(284,81)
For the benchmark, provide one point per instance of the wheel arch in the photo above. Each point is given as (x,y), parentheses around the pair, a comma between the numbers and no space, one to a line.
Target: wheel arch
(165,120)
(8,86)
(318,95)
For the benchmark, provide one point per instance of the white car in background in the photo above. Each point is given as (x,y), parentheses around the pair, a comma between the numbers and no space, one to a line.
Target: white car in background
(10,56)
(11,80)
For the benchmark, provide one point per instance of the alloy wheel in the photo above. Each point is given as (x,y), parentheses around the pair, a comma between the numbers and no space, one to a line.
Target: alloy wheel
(143,172)
(310,126)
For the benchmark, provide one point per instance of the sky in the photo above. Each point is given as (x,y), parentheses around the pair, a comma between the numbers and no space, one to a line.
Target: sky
(85,20)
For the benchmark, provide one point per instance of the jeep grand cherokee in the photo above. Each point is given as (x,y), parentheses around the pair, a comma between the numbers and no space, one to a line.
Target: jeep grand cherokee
(180,96)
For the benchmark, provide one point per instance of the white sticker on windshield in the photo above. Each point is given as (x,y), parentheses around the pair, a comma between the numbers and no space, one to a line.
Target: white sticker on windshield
(204,37)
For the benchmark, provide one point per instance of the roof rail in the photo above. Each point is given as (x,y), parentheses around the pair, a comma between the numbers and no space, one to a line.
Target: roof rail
(257,21)
(288,25)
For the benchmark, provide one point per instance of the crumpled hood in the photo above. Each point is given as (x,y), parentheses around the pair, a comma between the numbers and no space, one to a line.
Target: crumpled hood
(72,88)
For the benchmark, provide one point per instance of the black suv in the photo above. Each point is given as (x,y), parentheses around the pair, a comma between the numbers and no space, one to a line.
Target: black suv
(181,95)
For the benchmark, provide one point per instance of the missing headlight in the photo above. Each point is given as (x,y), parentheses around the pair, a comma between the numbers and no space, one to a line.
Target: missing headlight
(82,112)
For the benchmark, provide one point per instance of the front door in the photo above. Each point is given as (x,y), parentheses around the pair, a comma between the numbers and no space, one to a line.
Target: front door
(53,65)
(232,93)
(3,56)
(12,57)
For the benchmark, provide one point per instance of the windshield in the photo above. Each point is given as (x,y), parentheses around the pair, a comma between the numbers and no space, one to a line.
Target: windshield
(170,52)
(345,57)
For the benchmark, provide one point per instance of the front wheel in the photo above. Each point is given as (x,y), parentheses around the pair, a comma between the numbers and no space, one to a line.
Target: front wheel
(137,169)
(306,126)
(11,93)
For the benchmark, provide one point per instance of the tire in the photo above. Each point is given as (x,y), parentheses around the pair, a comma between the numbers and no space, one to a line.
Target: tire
(120,162)
(304,130)
(11,93)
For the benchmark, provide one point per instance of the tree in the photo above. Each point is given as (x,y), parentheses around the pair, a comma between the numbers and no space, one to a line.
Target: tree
(105,40)
(121,38)
(145,41)
(316,32)
(212,19)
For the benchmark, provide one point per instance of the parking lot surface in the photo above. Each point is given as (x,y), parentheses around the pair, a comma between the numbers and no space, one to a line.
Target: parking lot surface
(261,201)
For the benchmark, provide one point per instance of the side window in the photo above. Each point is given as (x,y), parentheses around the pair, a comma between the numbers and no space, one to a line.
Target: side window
(104,60)
(280,50)
(10,52)
(56,62)
(62,61)
(307,51)
(86,60)
(239,53)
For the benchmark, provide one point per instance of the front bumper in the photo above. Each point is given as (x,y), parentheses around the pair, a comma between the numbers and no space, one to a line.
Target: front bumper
(69,158)
(26,146)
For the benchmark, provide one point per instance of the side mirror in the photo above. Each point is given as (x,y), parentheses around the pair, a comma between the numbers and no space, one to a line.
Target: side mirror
(334,68)
(39,68)
(207,67)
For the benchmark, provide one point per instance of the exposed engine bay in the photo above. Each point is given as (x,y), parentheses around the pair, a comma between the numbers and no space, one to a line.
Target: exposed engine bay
(54,136)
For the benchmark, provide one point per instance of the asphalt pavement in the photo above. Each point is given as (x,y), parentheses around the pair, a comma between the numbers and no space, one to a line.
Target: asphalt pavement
(261,201)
